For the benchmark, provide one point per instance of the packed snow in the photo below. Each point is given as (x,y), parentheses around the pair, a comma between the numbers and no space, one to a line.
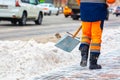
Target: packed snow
(20,60)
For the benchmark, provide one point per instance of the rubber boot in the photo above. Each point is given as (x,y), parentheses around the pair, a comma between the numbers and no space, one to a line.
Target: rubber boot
(93,62)
(84,55)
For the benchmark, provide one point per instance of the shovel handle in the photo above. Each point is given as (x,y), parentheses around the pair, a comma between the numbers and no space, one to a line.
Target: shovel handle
(74,35)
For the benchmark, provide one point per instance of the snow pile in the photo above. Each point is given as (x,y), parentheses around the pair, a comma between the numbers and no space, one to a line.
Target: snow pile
(20,60)
(110,39)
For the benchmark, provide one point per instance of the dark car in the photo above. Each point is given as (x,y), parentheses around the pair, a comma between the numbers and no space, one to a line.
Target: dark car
(117,11)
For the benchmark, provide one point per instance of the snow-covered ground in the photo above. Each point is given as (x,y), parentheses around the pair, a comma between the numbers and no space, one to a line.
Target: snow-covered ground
(20,60)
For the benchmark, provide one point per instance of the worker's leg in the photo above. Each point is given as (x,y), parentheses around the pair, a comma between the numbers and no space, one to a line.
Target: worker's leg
(96,34)
(85,42)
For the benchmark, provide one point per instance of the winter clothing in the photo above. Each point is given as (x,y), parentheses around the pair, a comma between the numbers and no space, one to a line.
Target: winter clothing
(91,35)
(93,13)
(90,12)
(93,62)
(84,53)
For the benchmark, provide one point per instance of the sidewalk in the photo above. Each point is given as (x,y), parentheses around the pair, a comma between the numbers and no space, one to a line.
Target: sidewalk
(110,70)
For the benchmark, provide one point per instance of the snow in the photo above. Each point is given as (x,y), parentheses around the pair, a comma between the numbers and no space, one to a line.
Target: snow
(20,60)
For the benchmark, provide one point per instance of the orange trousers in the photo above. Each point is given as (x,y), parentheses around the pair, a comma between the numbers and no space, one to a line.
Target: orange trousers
(91,35)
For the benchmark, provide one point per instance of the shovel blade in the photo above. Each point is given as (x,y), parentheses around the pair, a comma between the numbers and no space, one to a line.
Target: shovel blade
(67,43)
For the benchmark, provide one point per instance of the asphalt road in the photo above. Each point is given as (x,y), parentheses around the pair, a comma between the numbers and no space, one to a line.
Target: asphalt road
(51,25)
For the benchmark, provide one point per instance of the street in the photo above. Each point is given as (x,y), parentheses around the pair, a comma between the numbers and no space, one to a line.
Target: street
(42,60)
(51,25)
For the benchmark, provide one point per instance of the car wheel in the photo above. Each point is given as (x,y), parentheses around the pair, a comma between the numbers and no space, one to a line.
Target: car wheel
(66,16)
(45,14)
(14,22)
(49,13)
(106,19)
(57,13)
(75,17)
(39,20)
(116,15)
(22,21)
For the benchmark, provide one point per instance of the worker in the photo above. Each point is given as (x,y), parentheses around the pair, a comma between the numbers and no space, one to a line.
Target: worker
(93,13)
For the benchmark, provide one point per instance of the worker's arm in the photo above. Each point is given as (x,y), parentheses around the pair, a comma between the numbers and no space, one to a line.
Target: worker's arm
(110,1)
(78,2)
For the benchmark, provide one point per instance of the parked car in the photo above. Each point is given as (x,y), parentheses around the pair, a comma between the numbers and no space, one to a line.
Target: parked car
(116,11)
(49,9)
(20,11)
(67,11)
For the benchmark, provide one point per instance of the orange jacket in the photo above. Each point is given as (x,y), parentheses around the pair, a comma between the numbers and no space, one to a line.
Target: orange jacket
(108,1)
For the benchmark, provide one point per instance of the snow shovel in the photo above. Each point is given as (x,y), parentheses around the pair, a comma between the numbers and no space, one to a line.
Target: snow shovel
(69,42)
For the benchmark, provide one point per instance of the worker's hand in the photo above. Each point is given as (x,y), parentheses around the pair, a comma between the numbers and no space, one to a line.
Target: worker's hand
(110,1)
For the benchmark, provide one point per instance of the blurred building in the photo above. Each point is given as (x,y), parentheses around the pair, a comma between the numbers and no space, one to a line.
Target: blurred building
(60,3)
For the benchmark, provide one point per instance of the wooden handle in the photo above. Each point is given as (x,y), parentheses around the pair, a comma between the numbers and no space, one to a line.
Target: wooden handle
(74,35)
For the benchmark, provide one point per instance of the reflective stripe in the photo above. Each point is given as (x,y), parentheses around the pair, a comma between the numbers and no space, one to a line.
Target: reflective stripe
(86,38)
(98,51)
(95,44)
(95,47)
(94,1)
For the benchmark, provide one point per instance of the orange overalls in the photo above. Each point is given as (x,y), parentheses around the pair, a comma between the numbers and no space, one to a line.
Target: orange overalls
(92,29)
(92,13)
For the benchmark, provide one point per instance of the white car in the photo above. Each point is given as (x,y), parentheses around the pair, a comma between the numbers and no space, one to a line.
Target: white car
(49,9)
(20,11)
